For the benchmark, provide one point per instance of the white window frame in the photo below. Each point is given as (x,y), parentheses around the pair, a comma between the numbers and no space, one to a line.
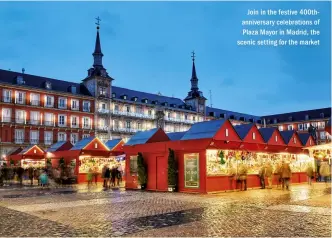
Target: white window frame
(35,121)
(47,122)
(64,120)
(51,101)
(75,102)
(9,114)
(19,139)
(77,122)
(306,126)
(34,99)
(300,127)
(48,140)
(85,136)
(290,126)
(86,124)
(88,108)
(20,120)
(322,135)
(65,103)
(226,132)
(280,128)
(72,135)
(62,133)
(34,141)
(7,95)
(17,97)
(254,136)
(294,140)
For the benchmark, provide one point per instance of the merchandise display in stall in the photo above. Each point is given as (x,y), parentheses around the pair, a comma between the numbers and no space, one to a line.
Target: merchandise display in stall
(222,162)
(98,162)
(26,163)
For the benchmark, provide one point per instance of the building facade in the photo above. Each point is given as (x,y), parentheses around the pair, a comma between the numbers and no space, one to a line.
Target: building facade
(301,122)
(39,110)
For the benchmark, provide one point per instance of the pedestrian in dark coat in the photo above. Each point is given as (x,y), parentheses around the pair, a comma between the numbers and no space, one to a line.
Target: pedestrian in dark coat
(107,177)
(30,173)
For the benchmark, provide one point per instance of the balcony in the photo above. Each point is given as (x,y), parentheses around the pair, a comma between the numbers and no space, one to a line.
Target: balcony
(34,141)
(171,119)
(35,103)
(6,119)
(19,140)
(34,122)
(7,99)
(49,142)
(49,123)
(102,128)
(103,111)
(133,114)
(20,120)
(124,130)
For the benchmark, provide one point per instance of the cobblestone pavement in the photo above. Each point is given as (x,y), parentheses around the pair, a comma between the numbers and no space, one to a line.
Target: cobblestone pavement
(77,211)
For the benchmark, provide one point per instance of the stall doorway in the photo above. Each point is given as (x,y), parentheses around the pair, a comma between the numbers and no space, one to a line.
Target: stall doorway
(161,176)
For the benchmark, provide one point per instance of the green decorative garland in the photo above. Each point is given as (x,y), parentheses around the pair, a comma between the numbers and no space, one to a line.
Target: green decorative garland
(221,156)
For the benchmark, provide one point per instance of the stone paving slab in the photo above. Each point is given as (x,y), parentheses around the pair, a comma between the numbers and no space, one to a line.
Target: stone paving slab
(137,213)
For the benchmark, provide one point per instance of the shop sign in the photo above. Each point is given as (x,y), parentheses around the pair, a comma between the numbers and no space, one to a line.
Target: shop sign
(191,170)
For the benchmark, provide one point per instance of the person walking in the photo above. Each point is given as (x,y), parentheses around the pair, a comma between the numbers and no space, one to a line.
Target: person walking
(113,175)
(95,174)
(43,179)
(310,173)
(107,177)
(20,172)
(30,173)
(278,173)
(269,174)
(232,177)
(286,175)
(89,177)
(243,171)
(325,171)
(261,175)
(103,171)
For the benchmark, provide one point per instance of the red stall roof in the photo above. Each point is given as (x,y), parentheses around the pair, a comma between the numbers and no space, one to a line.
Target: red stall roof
(306,139)
(32,151)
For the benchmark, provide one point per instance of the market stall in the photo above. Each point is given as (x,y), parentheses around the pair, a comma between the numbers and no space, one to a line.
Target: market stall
(89,153)
(31,156)
(211,151)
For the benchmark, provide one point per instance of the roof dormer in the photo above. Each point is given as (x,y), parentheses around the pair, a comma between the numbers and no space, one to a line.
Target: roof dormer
(145,100)
(134,99)
(48,85)
(155,102)
(290,118)
(113,95)
(72,89)
(165,104)
(307,117)
(20,80)
(124,97)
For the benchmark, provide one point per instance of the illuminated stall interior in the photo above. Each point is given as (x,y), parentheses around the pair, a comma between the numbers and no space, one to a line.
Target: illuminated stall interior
(31,156)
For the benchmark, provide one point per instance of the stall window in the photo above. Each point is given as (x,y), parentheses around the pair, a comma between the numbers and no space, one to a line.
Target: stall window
(276,138)
(133,164)
(294,140)
(253,136)
(226,132)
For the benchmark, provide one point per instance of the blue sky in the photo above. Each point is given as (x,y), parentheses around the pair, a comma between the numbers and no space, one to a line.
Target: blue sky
(147,47)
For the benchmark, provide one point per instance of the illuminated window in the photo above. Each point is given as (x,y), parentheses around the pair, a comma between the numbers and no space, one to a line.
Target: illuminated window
(253,136)
(226,132)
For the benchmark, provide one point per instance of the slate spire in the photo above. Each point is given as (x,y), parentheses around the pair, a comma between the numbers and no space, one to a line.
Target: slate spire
(97,54)
(194,79)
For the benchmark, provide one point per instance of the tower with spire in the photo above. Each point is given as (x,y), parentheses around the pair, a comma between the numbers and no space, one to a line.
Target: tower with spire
(99,84)
(195,97)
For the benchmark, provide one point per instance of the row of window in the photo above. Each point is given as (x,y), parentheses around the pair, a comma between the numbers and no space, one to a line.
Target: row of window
(304,126)
(306,117)
(47,119)
(48,137)
(35,100)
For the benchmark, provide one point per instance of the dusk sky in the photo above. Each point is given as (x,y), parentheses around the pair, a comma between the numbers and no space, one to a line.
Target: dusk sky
(147,47)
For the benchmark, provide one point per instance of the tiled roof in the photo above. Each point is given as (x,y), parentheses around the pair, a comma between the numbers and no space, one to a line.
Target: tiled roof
(287,135)
(33,81)
(267,133)
(230,115)
(141,96)
(242,130)
(201,130)
(82,143)
(304,137)
(298,116)
(176,135)
(141,137)
(112,143)
(56,146)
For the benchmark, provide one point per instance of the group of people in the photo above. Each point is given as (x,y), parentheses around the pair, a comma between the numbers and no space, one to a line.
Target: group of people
(282,172)
(323,172)
(20,174)
(111,176)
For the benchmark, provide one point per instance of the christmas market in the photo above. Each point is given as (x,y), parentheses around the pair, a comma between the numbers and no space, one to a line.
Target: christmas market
(89,153)
(210,152)
(31,156)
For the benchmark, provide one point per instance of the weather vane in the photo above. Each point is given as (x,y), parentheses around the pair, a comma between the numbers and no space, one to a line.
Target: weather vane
(193,55)
(98,22)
